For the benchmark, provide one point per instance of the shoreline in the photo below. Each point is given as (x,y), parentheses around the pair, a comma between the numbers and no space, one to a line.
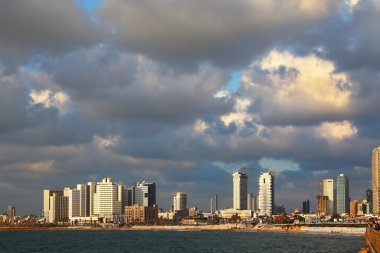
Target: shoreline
(294,229)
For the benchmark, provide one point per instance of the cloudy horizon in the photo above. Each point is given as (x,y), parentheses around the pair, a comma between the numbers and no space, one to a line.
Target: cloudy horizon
(184,93)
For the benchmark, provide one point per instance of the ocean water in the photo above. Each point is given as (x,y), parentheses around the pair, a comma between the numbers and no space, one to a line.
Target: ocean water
(173,241)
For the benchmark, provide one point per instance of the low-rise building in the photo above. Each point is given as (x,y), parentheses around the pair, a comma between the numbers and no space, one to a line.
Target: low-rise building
(141,214)
(228,213)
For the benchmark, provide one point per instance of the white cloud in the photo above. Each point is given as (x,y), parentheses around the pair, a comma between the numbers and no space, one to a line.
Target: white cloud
(200,126)
(336,131)
(240,115)
(49,99)
(293,88)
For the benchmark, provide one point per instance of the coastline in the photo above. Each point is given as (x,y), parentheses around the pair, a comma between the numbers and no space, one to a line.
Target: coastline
(300,229)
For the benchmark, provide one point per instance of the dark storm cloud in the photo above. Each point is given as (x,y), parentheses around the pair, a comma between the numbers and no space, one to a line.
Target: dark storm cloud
(114,84)
(227,33)
(27,27)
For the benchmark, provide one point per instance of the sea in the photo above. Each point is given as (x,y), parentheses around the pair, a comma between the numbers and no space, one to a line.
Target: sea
(173,241)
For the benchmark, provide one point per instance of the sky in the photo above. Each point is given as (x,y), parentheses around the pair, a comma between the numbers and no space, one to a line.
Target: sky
(184,93)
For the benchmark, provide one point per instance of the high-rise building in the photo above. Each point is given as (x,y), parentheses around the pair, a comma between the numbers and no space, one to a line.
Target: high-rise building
(11,212)
(328,190)
(214,204)
(91,189)
(180,201)
(124,195)
(58,208)
(306,206)
(240,184)
(145,194)
(106,198)
(250,202)
(342,195)
(137,213)
(322,204)
(73,201)
(369,199)
(376,181)
(266,193)
(354,207)
(46,206)
(256,200)
(82,188)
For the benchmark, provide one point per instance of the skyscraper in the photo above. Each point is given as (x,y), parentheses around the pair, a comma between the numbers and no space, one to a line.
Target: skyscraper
(369,199)
(306,206)
(11,212)
(105,198)
(73,201)
(342,195)
(240,181)
(266,193)
(250,201)
(91,189)
(145,194)
(180,201)
(322,204)
(58,209)
(82,188)
(328,190)
(214,204)
(376,181)
(47,194)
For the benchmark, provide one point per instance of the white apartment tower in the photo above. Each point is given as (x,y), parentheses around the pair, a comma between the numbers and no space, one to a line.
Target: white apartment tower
(328,190)
(240,182)
(376,181)
(266,193)
(106,198)
(180,201)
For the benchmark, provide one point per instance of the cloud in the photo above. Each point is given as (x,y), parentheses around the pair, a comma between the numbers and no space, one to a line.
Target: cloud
(39,26)
(291,89)
(227,33)
(336,131)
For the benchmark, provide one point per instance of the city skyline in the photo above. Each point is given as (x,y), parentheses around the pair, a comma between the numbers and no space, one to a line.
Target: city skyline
(104,88)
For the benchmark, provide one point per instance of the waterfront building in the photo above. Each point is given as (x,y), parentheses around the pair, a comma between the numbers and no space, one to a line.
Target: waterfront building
(11,213)
(322,204)
(194,212)
(256,200)
(328,190)
(47,193)
(266,193)
(214,204)
(228,213)
(306,206)
(240,181)
(91,189)
(58,207)
(369,199)
(354,207)
(250,201)
(180,201)
(73,196)
(141,214)
(342,195)
(82,188)
(106,203)
(363,207)
(376,181)
(145,194)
